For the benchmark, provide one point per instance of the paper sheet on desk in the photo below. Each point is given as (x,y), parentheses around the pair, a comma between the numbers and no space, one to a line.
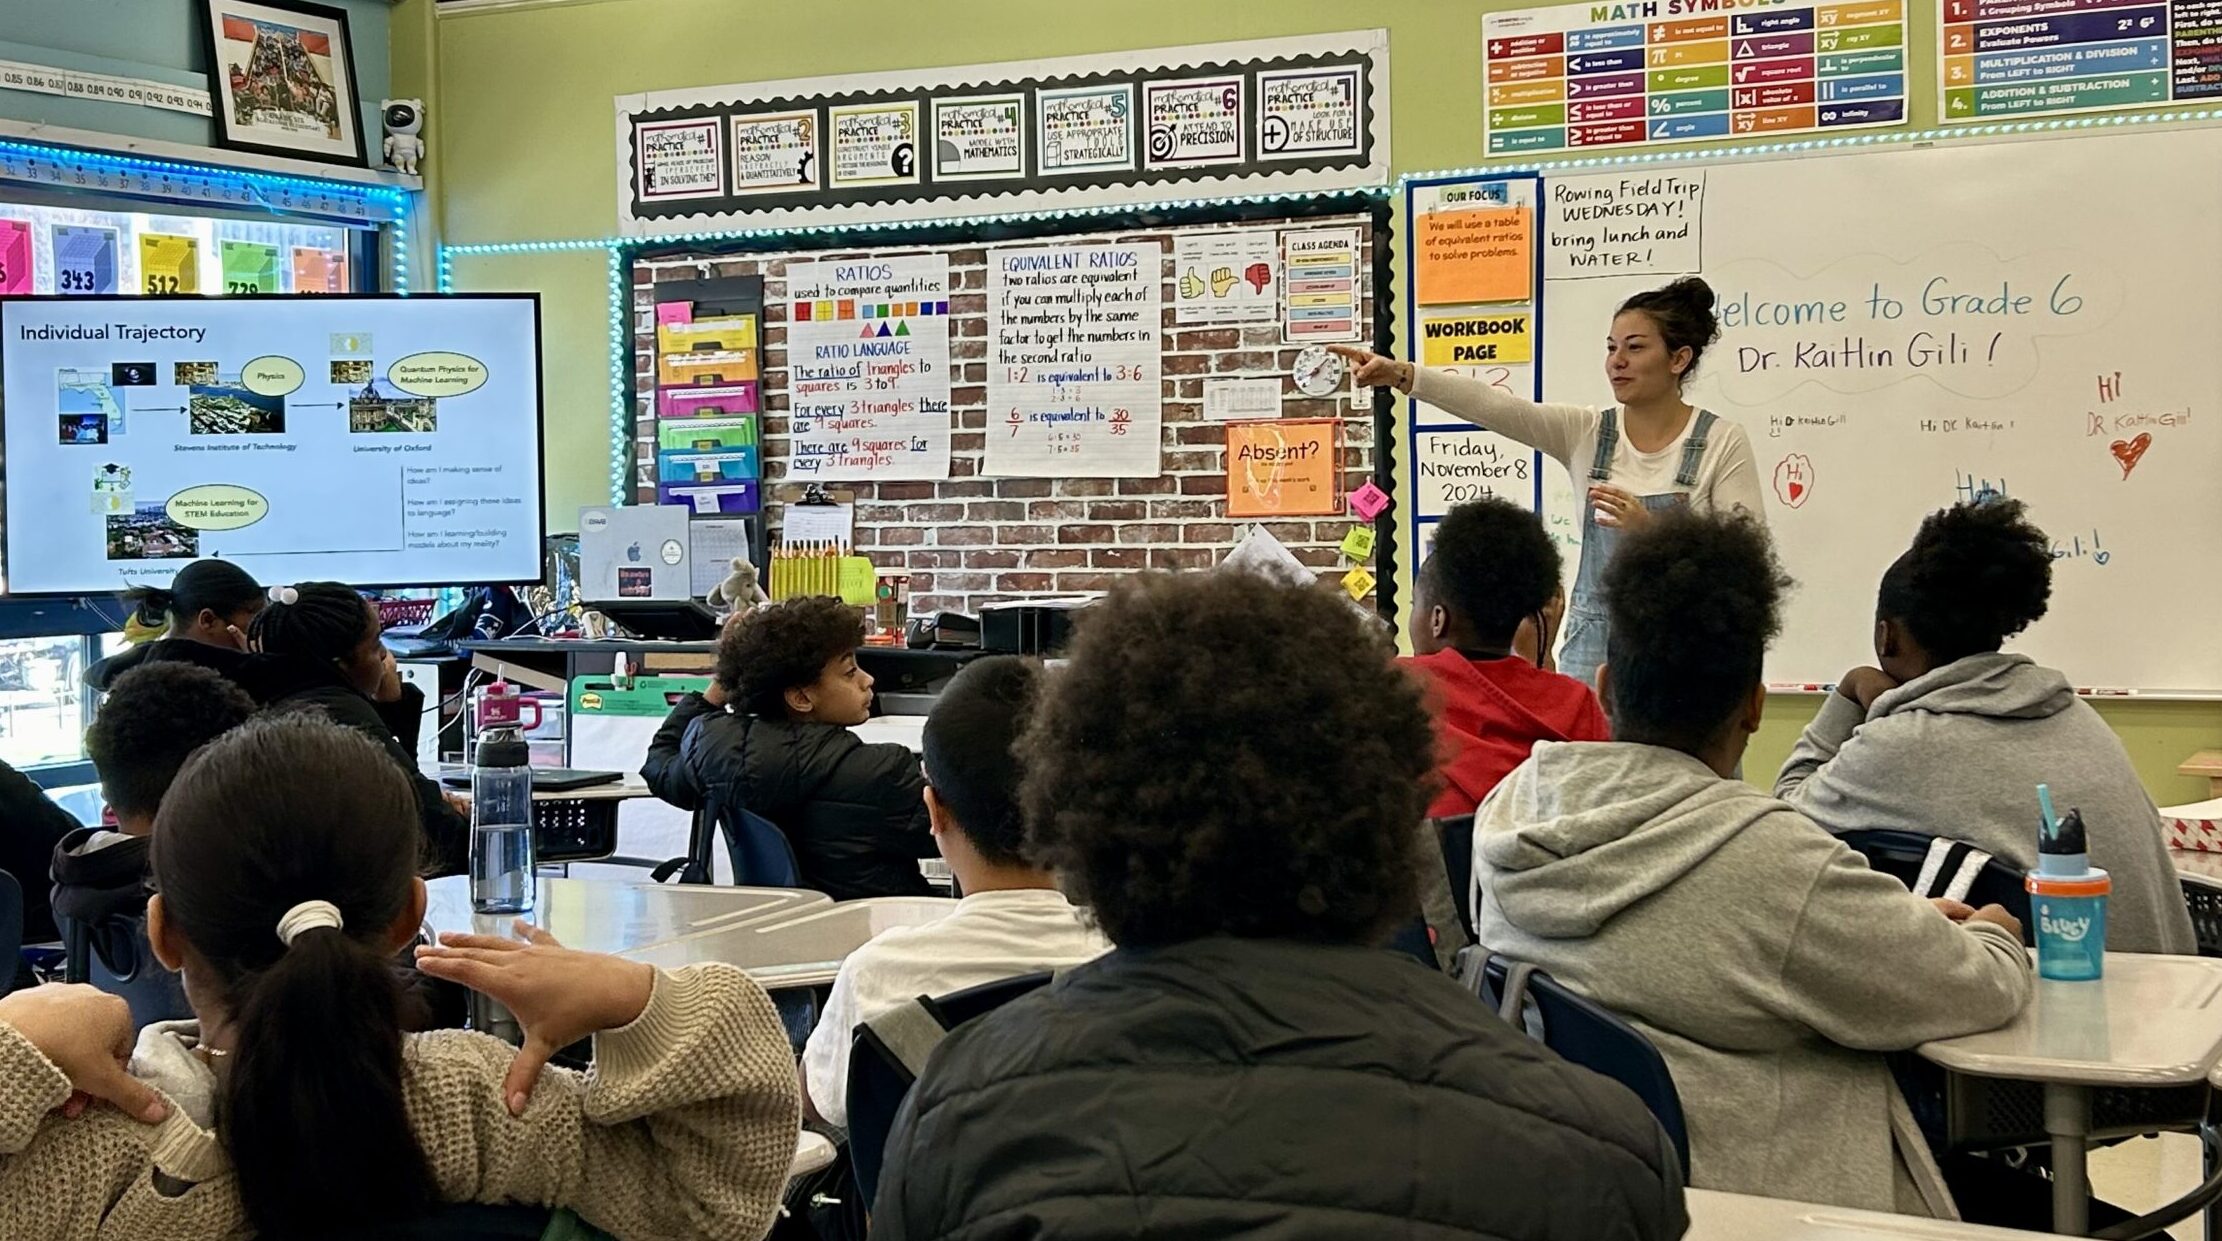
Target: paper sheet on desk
(714,544)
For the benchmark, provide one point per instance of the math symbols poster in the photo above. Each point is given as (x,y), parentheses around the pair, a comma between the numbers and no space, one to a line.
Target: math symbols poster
(868,368)
(1073,361)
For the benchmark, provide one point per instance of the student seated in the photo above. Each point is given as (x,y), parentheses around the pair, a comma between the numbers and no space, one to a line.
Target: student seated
(1950,736)
(154,718)
(1487,582)
(771,736)
(203,619)
(324,654)
(1229,776)
(284,858)
(1012,920)
(31,826)
(1769,965)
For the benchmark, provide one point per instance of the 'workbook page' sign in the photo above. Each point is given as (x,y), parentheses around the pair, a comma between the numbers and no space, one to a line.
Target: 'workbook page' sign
(868,368)
(1073,361)
(2021,58)
(1609,75)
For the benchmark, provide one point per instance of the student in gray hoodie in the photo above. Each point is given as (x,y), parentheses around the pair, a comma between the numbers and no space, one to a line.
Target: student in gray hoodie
(1950,736)
(1769,965)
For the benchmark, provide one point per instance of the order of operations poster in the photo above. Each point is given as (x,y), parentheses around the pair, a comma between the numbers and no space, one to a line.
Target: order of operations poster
(868,368)
(2022,58)
(1074,361)
(1585,76)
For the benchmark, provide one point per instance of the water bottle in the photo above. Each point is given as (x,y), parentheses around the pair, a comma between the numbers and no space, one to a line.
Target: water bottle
(501,824)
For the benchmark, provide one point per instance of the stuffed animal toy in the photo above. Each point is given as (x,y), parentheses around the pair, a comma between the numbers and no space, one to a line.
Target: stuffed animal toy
(738,591)
(404,120)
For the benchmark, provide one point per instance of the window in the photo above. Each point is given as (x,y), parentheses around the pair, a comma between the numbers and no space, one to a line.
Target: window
(42,701)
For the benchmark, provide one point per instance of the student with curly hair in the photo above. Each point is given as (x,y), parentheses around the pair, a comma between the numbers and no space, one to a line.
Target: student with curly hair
(1488,581)
(1644,453)
(1950,735)
(771,736)
(1230,773)
(1765,960)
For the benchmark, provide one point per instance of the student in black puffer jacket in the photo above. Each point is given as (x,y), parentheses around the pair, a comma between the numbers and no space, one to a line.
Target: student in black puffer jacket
(771,736)
(1230,774)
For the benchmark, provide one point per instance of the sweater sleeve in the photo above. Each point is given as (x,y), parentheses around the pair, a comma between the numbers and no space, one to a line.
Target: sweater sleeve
(1556,430)
(685,1127)
(1805,775)
(1944,979)
(669,776)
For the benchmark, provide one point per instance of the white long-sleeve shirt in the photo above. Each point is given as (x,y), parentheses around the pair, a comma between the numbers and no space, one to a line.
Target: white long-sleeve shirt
(1727,478)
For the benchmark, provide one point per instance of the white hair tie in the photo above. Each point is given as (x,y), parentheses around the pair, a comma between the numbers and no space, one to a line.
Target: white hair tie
(307,916)
(285,595)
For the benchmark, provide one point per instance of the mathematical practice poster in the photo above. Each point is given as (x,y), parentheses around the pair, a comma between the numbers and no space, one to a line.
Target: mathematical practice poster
(2024,58)
(979,138)
(1619,74)
(1226,277)
(1074,361)
(1321,278)
(680,159)
(1308,112)
(1087,130)
(775,152)
(1198,121)
(868,368)
(875,144)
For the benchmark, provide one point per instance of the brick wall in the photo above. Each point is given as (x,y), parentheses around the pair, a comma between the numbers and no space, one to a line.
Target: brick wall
(969,539)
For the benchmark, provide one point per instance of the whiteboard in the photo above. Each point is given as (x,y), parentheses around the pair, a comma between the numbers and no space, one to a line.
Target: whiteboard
(1905,327)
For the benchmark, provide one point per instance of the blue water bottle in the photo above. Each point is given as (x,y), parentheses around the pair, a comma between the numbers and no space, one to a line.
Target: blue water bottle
(2067,897)
(501,824)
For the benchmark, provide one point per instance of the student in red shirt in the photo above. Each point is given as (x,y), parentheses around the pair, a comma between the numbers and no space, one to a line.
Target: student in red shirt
(1483,638)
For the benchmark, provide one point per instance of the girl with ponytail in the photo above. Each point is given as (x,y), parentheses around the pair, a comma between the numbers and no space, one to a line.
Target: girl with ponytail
(321,651)
(1644,451)
(282,858)
(202,618)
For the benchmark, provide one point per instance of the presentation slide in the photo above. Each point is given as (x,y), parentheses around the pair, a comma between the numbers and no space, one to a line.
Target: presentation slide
(378,441)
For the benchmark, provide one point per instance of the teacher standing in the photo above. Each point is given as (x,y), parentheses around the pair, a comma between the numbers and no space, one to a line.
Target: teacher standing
(1647,451)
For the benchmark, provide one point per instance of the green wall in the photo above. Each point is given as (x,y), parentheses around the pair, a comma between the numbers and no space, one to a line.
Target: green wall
(523,149)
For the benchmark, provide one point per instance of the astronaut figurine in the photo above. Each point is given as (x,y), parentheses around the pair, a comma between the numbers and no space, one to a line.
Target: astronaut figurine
(404,121)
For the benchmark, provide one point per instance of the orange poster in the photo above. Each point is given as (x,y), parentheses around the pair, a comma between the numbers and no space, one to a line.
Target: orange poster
(1482,255)
(1284,468)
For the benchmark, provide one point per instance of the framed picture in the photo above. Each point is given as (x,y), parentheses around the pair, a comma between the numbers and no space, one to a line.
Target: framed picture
(283,79)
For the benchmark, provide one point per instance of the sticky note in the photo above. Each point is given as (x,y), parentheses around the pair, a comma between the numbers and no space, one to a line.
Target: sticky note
(169,264)
(1483,255)
(1368,501)
(859,581)
(15,256)
(668,313)
(1358,544)
(1357,583)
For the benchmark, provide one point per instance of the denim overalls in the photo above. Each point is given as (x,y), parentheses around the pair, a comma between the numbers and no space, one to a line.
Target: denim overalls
(1584,648)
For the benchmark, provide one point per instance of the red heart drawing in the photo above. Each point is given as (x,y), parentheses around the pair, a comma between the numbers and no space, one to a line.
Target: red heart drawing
(1797,492)
(2130,452)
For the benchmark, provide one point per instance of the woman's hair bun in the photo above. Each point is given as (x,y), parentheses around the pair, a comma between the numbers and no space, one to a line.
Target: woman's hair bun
(1693,291)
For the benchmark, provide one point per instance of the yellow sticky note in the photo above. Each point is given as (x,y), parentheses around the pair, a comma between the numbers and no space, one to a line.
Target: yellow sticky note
(1358,583)
(859,581)
(1358,544)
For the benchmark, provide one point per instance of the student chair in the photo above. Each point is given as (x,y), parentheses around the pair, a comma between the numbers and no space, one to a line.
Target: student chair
(11,931)
(761,855)
(1933,866)
(888,1054)
(2203,896)
(1455,835)
(1584,1033)
(114,956)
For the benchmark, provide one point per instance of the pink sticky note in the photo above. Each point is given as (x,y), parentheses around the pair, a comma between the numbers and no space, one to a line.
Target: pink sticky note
(15,256)
(1368,501)
(668,313)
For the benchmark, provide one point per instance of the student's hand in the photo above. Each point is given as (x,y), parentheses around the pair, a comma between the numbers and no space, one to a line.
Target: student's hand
(87,1034)
(1957,911)
(1996,915)
(558,995)
(389,681)
(1372,370)
(1865,685)
(1618,509)
(238,639)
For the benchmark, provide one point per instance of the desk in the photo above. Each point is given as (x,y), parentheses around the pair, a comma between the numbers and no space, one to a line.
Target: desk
(2198,864)
(571,825)
(1716,1216)
(799,948)
(2153,1021)
(554,663)
(908,731)
(2206,763)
